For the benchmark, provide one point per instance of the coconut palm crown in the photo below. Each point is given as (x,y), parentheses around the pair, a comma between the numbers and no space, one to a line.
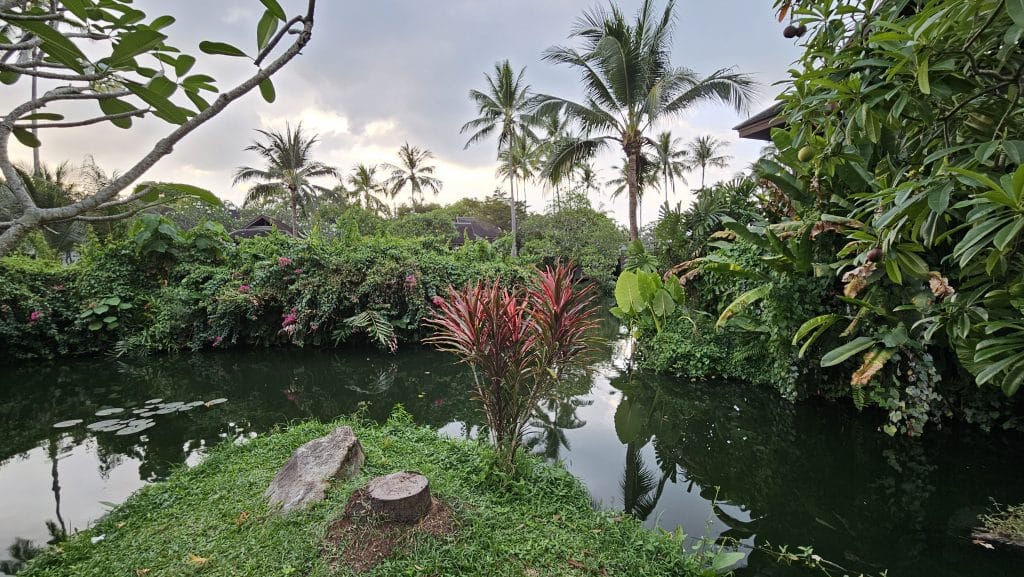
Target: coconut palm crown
(705,151)
(412,172)
(505,107)
(630,84)
(288,173)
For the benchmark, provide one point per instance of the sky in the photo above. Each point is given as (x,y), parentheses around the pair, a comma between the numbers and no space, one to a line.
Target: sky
(381,73)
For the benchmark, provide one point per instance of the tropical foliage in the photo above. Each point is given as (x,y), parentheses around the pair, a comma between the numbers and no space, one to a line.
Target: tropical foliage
(519,343)
(885,256)
(630,84)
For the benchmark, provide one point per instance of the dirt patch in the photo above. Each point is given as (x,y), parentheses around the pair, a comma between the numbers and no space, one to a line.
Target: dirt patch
(362,543)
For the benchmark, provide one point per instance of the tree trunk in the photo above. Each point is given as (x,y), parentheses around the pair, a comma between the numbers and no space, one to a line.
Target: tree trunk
(295,219)
(665,178)
(702,167)
(632,149)
(512,207)
(11,237)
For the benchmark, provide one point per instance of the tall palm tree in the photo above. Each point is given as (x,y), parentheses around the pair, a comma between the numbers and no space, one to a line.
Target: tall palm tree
(705,151)
(412,171)
(520,161)
(671,159)
(366,188)
(630,84)
(504,107)
(288,173)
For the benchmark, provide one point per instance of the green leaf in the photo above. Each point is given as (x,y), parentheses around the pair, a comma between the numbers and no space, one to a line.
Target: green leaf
(274,8)
(265,29)
(267,90)
(1008,234)
(893,270)
(222,48)
(742,302)
(184,64)
(56,45)
(922,75)
(134,43)
(43,116)
(662,304)
(818,325)
(627,292)
(111,106)
(76,7)
(164,107)
(841,353)
(162,22)
(1015,8)
(725,559)
(26,137)
(158,189)
(197,100)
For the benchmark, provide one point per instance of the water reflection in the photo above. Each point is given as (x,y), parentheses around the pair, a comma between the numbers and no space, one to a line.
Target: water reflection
(737,460)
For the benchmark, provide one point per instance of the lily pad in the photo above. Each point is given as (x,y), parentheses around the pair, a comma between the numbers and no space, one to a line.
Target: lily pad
(215,402)
(135,428)
(66,424)
(107,426)
(166,411)
(147,414)
(140,411)
(154,401)
(108,412)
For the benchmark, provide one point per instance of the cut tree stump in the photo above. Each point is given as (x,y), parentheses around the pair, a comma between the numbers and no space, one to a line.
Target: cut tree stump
(402,497)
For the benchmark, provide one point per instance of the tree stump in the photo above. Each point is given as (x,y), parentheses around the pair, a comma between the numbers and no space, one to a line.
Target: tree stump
(402,497)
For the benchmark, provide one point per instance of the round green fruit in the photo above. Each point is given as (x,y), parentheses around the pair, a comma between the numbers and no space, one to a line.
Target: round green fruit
(806,154)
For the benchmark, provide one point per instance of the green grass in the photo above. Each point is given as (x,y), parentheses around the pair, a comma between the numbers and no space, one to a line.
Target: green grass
(1007,522)
(532,526)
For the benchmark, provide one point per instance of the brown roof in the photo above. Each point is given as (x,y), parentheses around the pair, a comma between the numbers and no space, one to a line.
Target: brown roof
(263,225)
(469,228)
(760,125)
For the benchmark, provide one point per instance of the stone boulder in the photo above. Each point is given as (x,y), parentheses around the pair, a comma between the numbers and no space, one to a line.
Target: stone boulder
(312,467)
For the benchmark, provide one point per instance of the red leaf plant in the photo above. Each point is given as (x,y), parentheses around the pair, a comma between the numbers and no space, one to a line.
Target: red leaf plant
(518,343)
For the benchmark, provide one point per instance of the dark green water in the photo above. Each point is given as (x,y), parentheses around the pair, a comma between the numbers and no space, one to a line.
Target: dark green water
(804,474)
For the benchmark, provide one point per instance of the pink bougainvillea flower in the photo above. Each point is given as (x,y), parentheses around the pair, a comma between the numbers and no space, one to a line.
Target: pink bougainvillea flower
(410,280)
(34,317)
(217,340)
(437,300)
(244,289)
(290,318)
(283,261)
(298,271)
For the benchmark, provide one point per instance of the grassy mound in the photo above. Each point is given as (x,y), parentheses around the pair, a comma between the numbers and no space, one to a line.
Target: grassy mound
(213,519)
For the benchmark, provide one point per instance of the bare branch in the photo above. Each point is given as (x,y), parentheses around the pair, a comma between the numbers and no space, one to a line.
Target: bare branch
(277,38)
(54,75)
(14,17)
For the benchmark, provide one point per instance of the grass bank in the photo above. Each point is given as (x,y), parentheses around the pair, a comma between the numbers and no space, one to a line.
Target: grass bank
(213,519)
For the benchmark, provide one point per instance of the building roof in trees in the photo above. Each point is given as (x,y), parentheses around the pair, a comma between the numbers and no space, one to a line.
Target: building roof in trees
(759,126)
(469,228)
(263,225)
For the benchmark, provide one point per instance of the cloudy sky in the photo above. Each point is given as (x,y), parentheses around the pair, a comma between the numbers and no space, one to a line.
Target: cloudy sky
(380,73)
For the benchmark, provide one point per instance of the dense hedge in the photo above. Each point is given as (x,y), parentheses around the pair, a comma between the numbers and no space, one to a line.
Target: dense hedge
(171,291)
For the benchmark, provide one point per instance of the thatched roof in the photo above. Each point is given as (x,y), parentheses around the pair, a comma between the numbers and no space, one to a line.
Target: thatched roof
(469,228)
(263,225)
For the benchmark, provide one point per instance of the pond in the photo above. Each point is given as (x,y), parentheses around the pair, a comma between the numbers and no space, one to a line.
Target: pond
(714,458)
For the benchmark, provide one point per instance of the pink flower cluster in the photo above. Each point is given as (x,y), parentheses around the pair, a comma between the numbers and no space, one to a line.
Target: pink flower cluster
(34,317)
(244,289)
(410,281)
(217,340)
(283,261)
(290,318)
(437,300)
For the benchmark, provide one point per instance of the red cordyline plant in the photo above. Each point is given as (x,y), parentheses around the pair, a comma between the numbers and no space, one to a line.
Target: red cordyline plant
(518,343)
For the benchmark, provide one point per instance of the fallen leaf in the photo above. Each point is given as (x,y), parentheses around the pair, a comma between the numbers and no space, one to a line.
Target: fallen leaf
(242,518)
(983,544)
(556,518)
(141,572)
(196,560)
(576,564)
(121,524)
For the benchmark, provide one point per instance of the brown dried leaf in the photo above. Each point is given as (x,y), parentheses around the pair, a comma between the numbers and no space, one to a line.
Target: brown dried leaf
(874,360)
(196,560)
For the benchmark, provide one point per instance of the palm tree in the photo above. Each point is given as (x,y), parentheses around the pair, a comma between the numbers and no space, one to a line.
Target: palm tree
(705,151)
(289,168)
(504,107)
(671,159)
(630,84)
(366,189)
(523,159)
(412,171)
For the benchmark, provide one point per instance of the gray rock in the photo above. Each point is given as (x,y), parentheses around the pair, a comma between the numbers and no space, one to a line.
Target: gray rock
(312,467)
